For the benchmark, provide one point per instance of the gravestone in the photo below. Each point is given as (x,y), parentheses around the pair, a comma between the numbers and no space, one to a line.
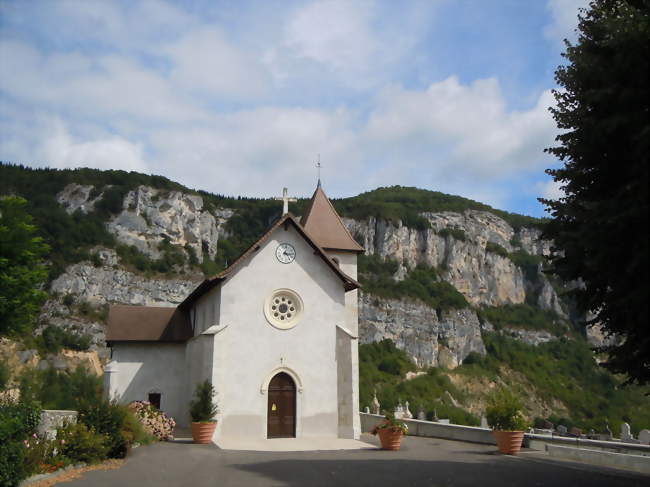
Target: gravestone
(366,410)
(547,425)
(376,407)
(444,421)
(484,423)
(422,416)
(626,434)
(399,410)
(644,437)
(561,429)
(407,412)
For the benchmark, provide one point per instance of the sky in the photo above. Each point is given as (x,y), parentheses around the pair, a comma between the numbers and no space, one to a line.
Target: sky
(242,98)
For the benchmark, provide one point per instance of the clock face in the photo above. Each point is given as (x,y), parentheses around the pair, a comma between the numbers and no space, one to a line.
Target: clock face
(285,253)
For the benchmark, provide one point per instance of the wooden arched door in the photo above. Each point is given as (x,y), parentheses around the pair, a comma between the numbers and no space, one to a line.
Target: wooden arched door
(281,422)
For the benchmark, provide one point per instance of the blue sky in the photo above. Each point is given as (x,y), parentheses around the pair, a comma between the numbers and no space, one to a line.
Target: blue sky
(240,97)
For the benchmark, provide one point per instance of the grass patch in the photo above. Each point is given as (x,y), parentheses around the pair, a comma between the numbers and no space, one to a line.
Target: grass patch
(495,248)
(523,317)
(453,232)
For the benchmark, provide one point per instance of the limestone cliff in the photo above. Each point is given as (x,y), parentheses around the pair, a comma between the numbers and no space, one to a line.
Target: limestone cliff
(470,249)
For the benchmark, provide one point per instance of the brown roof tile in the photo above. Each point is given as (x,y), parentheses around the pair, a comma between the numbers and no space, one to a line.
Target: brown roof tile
(147,323)
(324,224)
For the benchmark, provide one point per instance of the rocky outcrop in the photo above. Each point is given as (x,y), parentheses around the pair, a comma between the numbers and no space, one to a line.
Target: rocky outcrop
(457,244)
(150,216)
(429,337)
(77,197)
(111,284)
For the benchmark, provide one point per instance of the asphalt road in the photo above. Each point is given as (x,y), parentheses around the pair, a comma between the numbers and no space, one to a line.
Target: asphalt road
(420,462)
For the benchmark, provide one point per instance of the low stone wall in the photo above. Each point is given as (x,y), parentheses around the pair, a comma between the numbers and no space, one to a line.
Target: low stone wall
(432,429)
(636,463)
(543,442)
(51,419)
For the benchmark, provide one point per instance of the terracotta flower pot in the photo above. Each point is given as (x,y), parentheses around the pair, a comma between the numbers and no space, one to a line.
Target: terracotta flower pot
(509,442)
(390,439)
(202,432)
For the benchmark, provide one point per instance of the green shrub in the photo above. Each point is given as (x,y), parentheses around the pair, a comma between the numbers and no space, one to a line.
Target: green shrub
(423,283)
(453,232)
(202,407)
(55,389)
(495,248)
(55,338)
(68,300)
(504,411)
(80,443)
(527,262)
(18,420)
(523,316)
(93,312)
(108,418)
(5,375)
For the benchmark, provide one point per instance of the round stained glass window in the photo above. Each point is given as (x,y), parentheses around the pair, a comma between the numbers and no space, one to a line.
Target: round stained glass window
(283,308)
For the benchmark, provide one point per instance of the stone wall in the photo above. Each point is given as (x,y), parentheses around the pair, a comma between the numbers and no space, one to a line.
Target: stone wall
(51,419)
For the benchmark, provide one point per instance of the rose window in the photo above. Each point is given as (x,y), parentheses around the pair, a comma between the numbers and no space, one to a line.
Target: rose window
(283,308)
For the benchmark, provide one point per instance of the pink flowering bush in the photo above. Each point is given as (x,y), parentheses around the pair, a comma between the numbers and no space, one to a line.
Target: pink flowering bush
(155,422)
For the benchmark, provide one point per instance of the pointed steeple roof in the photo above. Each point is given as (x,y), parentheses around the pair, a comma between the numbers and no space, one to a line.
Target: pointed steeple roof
(324,224)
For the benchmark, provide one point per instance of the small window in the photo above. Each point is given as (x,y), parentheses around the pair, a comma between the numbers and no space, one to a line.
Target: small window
(154,399)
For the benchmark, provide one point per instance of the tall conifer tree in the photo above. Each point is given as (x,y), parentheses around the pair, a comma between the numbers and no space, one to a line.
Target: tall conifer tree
(600,226)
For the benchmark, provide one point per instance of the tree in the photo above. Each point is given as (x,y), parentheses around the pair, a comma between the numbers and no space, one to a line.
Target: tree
(22,271)
(600,226)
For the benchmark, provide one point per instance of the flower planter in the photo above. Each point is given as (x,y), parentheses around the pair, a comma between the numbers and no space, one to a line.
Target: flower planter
(202,432)
(509,442)
(390,439)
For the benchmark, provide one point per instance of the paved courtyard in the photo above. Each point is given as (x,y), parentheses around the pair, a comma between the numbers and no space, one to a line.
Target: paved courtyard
(422,461)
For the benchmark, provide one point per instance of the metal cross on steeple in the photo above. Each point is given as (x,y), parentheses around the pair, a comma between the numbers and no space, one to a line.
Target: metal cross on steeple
(285,200)
(318,166)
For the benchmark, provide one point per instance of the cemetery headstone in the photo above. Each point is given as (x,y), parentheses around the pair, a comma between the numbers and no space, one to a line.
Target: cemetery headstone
(407,412)
(376,407)
(484,423)
(422,415)
(561,429)
(626,434)
(644,437)
(366,410)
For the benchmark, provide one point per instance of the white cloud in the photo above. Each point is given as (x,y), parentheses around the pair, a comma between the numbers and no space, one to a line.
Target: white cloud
(255,152)
(564,19)
(336,33)
(205,62)
(550,190)
(468,124)
(109,85)
(44,138)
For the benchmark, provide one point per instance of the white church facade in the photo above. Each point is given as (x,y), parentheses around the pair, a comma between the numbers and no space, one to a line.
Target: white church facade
(276,334)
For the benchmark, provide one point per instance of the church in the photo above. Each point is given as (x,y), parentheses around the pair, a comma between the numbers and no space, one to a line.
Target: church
(276,333)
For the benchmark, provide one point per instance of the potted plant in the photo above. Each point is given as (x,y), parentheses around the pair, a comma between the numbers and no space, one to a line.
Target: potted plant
(504,414)
(202,410)
(390,432)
